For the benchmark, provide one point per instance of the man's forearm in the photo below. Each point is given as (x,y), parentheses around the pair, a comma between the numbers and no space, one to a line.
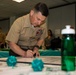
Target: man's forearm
(15,48)
(40,42)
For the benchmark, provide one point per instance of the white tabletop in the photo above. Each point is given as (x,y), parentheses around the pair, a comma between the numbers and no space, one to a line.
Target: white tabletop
(52,67)
(45,59)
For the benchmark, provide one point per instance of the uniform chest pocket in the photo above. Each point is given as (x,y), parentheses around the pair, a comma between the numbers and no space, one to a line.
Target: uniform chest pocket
(38,33)
(24,35)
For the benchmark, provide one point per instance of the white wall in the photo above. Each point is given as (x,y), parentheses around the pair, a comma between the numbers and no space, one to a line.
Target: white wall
(61,16)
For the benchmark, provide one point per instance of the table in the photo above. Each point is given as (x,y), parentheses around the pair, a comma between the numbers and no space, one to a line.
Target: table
(4,49)
(25,69)
(50,52)
(5,53)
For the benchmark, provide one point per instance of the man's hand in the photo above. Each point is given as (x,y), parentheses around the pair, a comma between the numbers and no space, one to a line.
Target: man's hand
(29,53)
(36,52)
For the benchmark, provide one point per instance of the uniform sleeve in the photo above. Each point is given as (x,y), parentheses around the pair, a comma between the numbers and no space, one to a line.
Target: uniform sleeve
(13,34)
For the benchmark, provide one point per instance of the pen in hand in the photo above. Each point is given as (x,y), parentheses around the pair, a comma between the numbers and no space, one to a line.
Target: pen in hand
(34,55)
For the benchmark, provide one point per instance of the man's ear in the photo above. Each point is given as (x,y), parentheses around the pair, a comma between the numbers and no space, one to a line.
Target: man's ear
(31,12)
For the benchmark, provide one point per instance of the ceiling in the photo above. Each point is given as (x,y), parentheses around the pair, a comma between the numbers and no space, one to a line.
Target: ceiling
(10,8)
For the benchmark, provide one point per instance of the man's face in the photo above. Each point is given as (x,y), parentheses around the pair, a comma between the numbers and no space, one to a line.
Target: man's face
(37,18)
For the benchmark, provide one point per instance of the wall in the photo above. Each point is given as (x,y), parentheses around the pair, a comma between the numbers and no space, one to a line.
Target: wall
(57,19)
(12,19)
(4,24)
(61,16)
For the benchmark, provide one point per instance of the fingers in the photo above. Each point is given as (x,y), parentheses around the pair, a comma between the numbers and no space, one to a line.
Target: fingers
(37,54)
(29,53)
